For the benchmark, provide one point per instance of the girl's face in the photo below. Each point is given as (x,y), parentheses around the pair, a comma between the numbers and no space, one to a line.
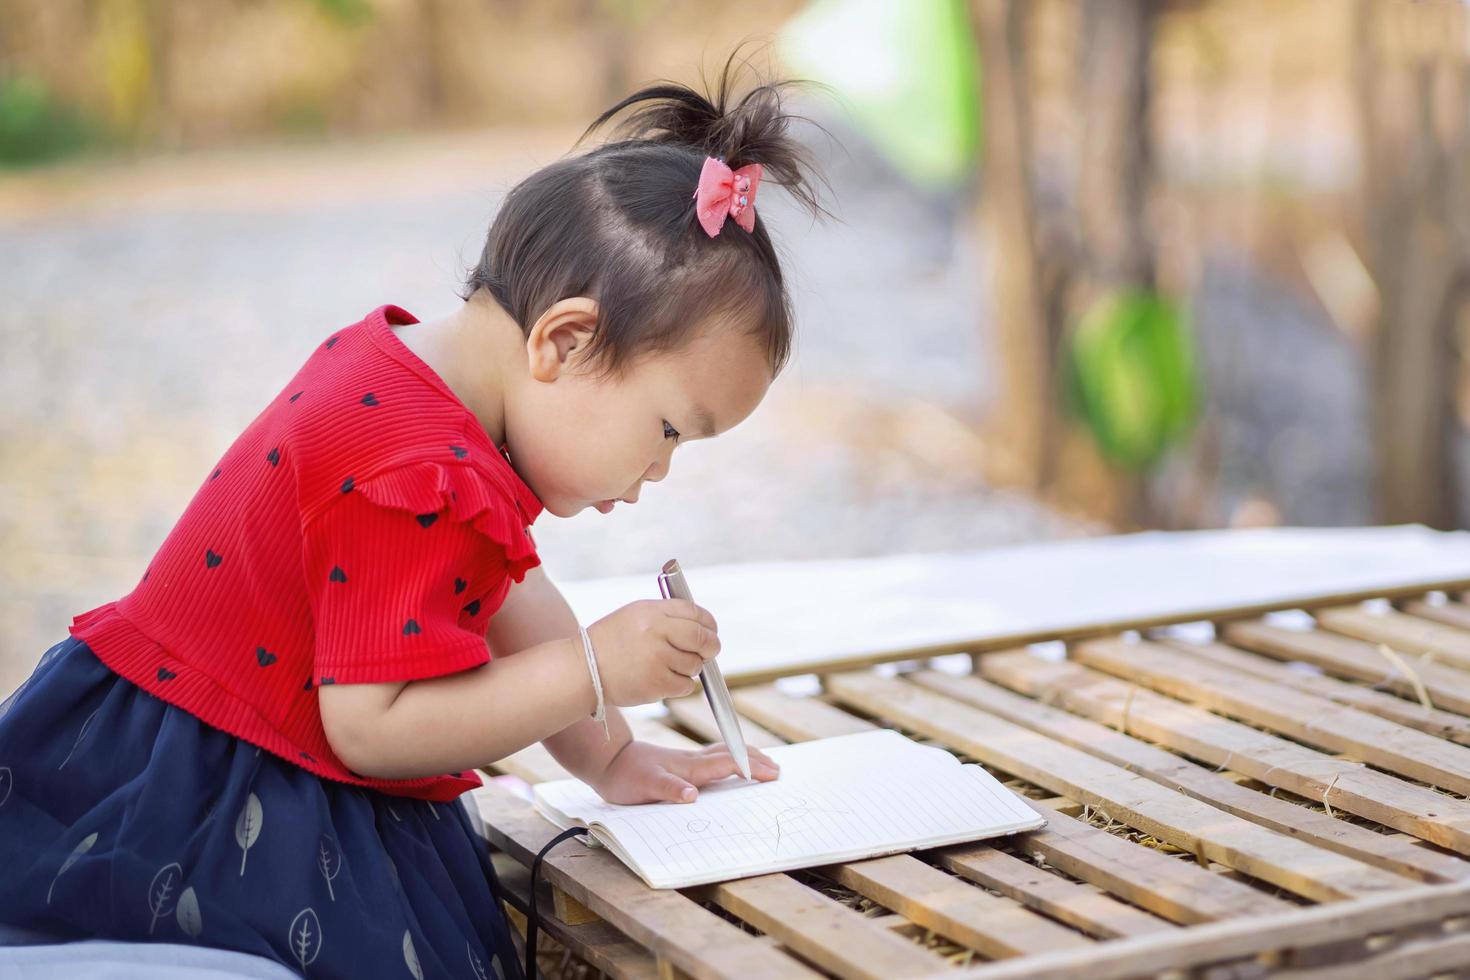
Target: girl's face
(581,443)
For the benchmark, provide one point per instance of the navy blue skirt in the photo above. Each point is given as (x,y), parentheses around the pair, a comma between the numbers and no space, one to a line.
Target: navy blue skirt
(124,817)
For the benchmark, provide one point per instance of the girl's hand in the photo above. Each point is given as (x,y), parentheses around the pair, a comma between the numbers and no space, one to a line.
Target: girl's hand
(647,773)
(652,649)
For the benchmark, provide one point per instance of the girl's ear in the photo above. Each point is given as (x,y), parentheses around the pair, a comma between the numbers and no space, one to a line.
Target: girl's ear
(565,328)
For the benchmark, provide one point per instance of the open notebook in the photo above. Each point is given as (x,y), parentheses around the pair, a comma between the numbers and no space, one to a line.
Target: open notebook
(838,799)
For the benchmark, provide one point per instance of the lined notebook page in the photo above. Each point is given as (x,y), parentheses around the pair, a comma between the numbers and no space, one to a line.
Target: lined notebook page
(837,799)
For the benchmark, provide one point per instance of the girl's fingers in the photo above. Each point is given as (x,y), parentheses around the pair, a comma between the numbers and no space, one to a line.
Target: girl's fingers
(685,609)
(756,753)
(680,685)
(692,637)
(688,664)
(706,769)
(762,766)
(757,758)
(667,786)
(703,769)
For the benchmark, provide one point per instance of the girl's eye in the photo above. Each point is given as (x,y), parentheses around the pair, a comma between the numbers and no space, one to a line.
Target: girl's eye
(670,431)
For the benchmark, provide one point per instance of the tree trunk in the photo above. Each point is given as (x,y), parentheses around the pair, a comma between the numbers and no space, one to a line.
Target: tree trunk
(1018,416)
(1115,249)
(1418,250)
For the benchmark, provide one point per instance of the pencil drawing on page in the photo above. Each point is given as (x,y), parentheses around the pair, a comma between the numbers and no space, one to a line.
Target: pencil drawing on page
(789,820)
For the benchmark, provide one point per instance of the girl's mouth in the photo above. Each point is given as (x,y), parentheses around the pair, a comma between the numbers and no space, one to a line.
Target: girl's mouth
(605,506)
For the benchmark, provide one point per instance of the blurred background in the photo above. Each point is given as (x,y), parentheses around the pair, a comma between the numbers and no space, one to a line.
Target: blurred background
(1100,265)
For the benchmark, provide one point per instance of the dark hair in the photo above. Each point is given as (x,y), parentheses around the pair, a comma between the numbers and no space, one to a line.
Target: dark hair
(618,224)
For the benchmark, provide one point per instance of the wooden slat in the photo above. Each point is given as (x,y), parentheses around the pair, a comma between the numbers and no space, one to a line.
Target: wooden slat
(694,714)
(1065,684)
(1414,960)
(1275,761)
(993,926)
(1213,834)
(1343,657)
(1407,634)
(1239,941)
(1433,721)
(1083,906)
(653,730)
(1455,614)
(675,928)
(818,719)
(824,931)
(1304,717)
(1179,892)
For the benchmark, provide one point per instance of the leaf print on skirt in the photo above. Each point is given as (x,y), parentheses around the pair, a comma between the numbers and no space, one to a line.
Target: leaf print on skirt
(306,937)
(475,963)
(80,735)
(188,914)
(161,892)
(411,958)
(78,851)
(247,827)
(328,862)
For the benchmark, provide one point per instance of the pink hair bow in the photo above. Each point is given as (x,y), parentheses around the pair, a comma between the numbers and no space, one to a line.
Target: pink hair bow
(723,192)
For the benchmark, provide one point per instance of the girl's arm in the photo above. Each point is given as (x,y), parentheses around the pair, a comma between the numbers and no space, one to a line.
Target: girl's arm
(404,730)
(536,612)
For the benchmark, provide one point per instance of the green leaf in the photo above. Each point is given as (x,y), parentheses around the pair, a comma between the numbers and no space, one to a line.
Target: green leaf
(1129,375)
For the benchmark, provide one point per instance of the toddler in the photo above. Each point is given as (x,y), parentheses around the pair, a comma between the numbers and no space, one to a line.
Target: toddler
(262,746)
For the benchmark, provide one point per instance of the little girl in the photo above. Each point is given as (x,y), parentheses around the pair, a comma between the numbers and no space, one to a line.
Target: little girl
(260,747)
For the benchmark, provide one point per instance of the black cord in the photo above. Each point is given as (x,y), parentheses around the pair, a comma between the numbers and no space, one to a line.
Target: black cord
(533,921)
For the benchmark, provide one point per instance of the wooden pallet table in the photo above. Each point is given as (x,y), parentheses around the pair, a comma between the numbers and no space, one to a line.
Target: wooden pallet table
(1285,800)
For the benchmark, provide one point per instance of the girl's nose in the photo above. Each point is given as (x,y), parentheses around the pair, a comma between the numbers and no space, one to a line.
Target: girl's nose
(658,470)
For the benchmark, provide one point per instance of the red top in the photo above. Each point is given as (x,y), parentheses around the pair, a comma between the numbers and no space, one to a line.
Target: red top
(363,528)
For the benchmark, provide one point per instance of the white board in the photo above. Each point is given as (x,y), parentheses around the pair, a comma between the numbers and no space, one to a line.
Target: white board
(783,615)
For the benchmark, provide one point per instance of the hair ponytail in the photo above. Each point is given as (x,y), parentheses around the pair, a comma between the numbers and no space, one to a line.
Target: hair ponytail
(753,130)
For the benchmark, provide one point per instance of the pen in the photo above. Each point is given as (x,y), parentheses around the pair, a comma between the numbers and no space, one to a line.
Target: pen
(671,585)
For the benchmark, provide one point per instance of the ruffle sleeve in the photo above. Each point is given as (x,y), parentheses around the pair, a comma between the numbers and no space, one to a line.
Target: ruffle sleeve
(469,495)
(405,571)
